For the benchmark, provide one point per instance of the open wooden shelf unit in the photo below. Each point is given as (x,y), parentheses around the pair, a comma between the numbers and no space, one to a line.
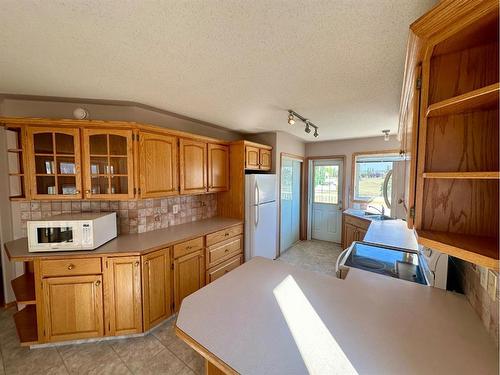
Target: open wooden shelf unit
(27,329)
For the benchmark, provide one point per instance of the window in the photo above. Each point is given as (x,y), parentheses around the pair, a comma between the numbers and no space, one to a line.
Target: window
(372,176)
(326,183)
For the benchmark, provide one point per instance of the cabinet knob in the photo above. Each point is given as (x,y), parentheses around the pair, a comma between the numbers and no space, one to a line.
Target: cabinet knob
(227,250)
(137,264)
(226,234)
(71,266)
(98,282)
(87,192)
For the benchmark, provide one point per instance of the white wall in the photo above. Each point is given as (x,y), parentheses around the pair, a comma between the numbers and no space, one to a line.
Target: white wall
(347,147)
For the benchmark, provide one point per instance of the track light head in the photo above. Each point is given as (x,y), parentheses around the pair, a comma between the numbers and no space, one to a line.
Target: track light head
(316,133)
(386,134)
(291,118)
(308,128)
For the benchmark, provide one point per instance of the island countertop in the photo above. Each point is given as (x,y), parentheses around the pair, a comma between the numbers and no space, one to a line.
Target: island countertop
(129,244)
(268,317)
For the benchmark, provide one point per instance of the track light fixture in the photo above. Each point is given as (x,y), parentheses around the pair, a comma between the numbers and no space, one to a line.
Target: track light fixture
(386,134)
(308,124)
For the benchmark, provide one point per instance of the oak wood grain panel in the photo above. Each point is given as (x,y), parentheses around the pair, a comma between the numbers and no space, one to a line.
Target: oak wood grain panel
(187,247)
(24,288)
(189,276)
(156,288)
(218,167)
(265,159)
(232,202)
(224,234)
(461,206)
(26,325)
(463,143)
(224,250)
(193,166)
(70,267)
(356,221)
(158,165)
(223,268)
(73,307)
(252,157)
(123,295)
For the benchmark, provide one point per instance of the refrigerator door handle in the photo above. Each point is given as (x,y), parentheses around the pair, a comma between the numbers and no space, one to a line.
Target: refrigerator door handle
(257,194)
(256,215)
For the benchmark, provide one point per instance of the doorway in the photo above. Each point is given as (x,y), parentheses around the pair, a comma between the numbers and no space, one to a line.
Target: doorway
(290,201)
(325,199)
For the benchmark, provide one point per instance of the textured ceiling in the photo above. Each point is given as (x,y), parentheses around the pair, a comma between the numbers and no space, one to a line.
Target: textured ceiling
(235,63)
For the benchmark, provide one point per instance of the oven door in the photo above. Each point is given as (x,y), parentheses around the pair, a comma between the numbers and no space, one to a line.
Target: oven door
(53,236)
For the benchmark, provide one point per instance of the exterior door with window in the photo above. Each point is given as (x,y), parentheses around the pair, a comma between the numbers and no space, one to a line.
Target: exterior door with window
(326,200)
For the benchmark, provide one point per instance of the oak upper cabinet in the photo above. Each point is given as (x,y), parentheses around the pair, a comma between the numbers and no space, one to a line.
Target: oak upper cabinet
(193,166)
(252,157)
(73,307)
(156,290)
(158,165)
(54,158)
(218,167)
(189,275)
(123,306)
(265,159)
(108,164)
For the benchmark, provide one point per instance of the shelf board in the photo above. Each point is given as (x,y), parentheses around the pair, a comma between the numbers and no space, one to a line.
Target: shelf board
(483,98)
(24,289)
(475,249)
(14,150)
(463,175)
(26,326)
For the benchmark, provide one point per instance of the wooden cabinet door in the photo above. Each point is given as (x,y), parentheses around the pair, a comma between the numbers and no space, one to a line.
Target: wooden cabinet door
(122,293)
(157,293)
(54,159)
(193,166)
(218,167)
(189,275)
(108,161)
(361,233)
(350,235)
(265,159)
(252,157)
(73,307)
(158,166)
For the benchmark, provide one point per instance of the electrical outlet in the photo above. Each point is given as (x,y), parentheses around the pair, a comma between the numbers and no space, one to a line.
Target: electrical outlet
(483,272)
(492,284)
(175,208)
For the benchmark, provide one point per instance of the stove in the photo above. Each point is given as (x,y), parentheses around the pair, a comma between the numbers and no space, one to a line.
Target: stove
(384,260)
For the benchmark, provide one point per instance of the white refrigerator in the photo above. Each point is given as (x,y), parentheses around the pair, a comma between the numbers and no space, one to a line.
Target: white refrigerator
(260,216)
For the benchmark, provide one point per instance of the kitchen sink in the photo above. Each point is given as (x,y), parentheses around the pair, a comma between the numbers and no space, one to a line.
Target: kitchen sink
(374,216)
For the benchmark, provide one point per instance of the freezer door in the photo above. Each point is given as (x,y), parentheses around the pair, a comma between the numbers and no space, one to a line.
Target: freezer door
(262,231)
(264,188)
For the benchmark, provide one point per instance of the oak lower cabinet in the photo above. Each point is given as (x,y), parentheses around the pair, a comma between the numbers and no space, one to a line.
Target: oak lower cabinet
(225,267)
(156,290)
(189,275)
(73,307)
(123,297)
(353,229)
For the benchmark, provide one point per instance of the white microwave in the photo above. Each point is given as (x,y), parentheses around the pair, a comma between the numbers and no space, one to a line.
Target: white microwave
(67,232)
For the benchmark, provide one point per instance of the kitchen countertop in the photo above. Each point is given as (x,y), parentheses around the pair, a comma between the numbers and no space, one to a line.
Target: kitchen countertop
(268,317)
(130,244)
(387,232)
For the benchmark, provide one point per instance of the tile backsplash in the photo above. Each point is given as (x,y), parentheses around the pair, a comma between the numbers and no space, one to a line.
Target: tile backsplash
(485,307)
(132,216)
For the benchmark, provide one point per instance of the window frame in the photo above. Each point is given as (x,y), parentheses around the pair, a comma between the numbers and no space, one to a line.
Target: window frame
(355,155)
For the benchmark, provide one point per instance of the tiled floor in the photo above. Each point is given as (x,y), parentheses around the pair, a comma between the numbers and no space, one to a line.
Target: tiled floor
(159,352)
(319,256)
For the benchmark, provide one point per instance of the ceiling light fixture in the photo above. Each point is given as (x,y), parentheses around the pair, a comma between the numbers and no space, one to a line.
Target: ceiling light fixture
(308,124)
(386,134)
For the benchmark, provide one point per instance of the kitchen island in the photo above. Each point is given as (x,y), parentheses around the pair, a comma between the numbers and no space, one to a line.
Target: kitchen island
(267,317)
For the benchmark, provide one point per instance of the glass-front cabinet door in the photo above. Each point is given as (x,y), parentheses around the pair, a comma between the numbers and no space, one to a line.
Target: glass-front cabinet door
(55,163)
(108,164)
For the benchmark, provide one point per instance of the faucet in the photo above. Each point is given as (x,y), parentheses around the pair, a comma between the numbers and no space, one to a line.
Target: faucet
(382,211)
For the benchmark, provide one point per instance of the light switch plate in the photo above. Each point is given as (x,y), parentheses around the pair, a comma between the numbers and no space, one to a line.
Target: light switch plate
(492,284)
(175,208)
(483,272)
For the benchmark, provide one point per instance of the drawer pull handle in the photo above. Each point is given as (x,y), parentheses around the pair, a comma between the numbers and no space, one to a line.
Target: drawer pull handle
(98,282)
(189,247)
(71,266)
(226,234)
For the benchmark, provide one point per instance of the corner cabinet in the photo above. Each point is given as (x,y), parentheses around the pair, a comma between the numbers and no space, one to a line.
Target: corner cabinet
(54,160)
(108,162)
(158,165)
(449,118)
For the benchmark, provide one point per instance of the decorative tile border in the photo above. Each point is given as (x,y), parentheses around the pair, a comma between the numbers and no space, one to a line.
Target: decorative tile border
(133,216)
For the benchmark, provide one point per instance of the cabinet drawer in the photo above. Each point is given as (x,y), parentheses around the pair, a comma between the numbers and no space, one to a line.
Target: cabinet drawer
(224,234)
(70,267)
(358,222)
(224,250)
(188,247)
(229,265)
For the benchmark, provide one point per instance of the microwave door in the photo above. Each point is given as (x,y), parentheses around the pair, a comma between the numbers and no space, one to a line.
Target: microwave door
(55,235)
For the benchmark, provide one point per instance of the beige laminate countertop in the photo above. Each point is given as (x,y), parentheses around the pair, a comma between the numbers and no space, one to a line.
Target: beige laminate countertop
(268,317)
(130,244)
(387,232)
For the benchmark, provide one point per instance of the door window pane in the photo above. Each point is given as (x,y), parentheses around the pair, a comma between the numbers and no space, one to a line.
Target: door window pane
(65,144)
(117,145)
(46,185)
(98,144)
(43,143)
(326,184)
(118,165)
(44,165)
